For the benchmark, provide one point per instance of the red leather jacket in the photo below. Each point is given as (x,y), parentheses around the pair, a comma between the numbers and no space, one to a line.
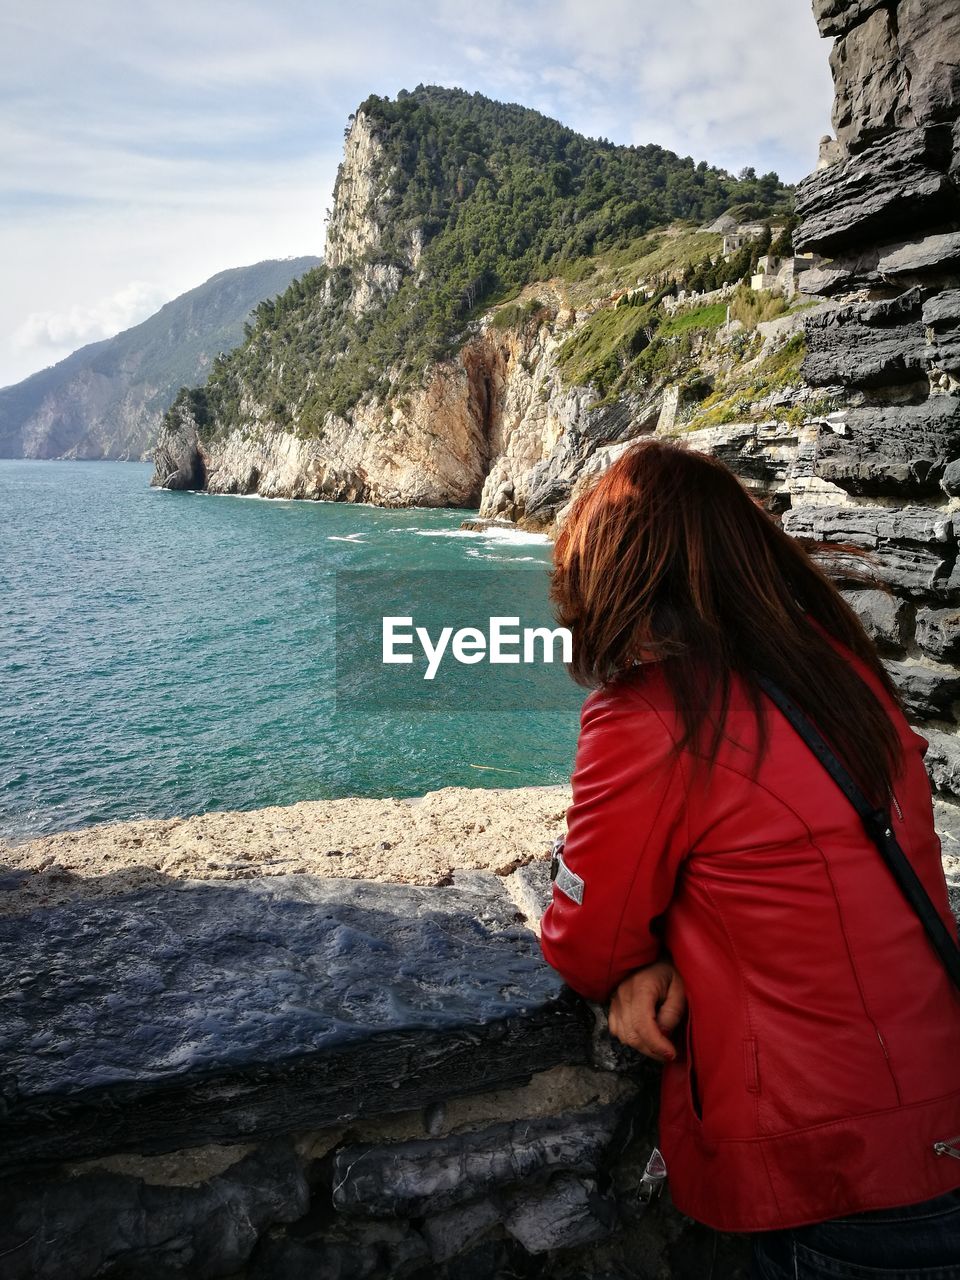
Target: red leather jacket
(820,1059)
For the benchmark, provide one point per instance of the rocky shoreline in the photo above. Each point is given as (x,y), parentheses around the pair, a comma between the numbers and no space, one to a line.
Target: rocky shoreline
(426,841)
(422,841)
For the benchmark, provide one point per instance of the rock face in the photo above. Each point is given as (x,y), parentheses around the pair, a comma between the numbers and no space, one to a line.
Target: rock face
(495,427)
(888,212)
(900,451)
(912,550)
(894,65)
(177,460)
(106,1219)
(888,341)
(361,200)
(391,457)
(433,448)
(429,1176)
(886,190)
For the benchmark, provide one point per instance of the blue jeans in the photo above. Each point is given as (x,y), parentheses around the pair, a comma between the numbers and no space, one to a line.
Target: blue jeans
(914,1242)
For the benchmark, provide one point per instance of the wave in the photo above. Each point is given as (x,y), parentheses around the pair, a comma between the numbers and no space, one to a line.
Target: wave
(517,537)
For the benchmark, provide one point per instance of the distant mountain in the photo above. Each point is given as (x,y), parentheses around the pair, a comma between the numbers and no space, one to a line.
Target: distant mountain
(107,399)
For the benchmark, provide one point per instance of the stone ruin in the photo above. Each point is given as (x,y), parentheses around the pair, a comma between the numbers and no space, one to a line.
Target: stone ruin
(781,275)
(737,235)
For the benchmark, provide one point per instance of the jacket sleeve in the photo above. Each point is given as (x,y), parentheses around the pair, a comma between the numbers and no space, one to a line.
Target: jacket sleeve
(626,838)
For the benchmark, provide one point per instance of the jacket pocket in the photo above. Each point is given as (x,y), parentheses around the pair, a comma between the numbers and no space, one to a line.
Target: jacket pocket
(692,1081)
(751,1064)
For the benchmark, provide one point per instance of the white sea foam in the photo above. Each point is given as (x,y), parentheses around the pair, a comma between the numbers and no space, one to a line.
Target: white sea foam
(519,537)
(247,497)
(506,560)
(516,537)
(293,502)
(444,533)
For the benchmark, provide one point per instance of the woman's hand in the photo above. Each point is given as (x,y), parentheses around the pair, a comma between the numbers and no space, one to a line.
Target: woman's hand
(645,1007)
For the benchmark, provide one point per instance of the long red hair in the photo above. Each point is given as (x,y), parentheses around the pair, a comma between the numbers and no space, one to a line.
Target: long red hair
(669,557)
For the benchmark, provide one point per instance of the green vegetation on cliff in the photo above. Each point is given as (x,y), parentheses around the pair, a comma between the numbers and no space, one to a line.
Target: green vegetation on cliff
(602,348)
(744,393)
(636,344)
(498,196)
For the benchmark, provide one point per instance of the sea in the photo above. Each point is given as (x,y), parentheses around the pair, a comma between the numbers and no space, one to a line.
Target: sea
(168,653)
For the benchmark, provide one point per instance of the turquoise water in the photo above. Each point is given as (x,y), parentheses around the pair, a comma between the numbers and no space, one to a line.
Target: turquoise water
(169,653)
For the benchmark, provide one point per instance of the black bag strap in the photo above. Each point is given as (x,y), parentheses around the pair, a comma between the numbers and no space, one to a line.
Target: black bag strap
(878,826)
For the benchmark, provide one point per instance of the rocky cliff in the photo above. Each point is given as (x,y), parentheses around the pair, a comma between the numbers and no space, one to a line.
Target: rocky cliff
(887,213)
(107,399)
(515,419)
(393,378)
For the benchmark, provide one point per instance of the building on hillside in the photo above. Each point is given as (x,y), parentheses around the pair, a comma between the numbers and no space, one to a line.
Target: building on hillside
(739,235)
(781,275)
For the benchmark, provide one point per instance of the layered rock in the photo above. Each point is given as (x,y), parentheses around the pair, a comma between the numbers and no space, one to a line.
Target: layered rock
(903,450)
(912,550)
(887,190)
(872,344)
(887,212)
(894,65)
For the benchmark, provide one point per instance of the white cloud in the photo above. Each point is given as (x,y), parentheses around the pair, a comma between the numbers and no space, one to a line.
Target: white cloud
(151,145)
(79,325)
(57,261)
(732,82)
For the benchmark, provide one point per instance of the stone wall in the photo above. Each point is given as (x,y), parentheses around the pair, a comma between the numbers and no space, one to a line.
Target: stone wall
(886,213)
(300,1078)
(296,1077)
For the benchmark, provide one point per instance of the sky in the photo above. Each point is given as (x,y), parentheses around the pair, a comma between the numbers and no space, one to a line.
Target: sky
(145,146)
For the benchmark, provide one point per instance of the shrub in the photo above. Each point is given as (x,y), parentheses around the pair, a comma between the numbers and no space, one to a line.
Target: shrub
(752,308)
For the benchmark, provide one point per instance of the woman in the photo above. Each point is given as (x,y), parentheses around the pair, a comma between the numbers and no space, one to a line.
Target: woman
(717,884)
